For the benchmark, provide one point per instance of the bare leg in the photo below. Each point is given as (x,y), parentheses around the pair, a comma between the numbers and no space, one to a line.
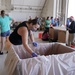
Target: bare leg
(2,43)
(7,38)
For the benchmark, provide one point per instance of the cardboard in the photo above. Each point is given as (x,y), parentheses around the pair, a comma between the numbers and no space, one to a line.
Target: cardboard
(62,36)
(53,33)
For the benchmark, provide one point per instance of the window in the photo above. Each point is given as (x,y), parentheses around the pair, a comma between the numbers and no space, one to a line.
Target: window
(71,8)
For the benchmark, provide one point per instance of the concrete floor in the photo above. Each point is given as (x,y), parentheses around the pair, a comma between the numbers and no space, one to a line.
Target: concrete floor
(2,59)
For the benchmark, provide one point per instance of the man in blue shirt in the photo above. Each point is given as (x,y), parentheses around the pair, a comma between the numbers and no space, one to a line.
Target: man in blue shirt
(52,21)
(5,29)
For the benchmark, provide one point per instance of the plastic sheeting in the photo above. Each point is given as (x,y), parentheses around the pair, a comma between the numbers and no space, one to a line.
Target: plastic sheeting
(55,59)
(62,64)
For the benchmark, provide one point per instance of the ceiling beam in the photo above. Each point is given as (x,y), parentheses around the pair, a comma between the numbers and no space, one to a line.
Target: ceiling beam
(43,6)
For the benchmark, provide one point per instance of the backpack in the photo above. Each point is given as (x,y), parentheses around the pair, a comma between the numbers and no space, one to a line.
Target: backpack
(45,36)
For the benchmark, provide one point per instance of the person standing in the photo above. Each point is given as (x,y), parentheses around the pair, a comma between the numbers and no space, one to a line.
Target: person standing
(45,34)
(52,20)
(71,29)
(47,24)
(5,29)
(55,22)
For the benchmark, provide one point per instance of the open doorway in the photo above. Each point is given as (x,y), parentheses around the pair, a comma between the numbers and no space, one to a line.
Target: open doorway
(71,8)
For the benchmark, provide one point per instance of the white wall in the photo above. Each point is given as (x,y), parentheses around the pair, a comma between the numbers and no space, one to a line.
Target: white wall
(22,16)
(49,8)
(71,9)
(20,10)
(28,2)
(5,5)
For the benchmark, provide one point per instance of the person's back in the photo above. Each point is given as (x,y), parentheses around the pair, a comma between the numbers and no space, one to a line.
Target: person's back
(72,27)
(21,34)
(5,23)
(47,22)
(15,38)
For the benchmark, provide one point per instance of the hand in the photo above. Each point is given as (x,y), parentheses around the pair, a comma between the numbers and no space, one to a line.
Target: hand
(68,28)
(34,54)
(35,44)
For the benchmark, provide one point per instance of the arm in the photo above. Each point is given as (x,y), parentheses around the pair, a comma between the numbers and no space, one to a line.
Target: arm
(11,20)
(24,34)
(68,28)
(31,36)
(32,39)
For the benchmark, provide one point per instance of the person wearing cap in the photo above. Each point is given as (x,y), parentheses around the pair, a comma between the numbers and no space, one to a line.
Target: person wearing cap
(71,30)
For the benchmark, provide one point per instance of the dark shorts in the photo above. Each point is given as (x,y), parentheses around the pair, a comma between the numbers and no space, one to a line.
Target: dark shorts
(4,34)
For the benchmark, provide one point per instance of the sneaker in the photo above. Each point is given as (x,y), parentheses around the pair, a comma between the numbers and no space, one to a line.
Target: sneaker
(1,53)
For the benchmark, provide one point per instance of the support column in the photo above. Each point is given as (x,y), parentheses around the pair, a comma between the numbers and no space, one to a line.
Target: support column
(57,8)
(54,8)
(66,10)
(62,11)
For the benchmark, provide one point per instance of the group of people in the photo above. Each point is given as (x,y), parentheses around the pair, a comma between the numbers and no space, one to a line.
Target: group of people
(20,34)
(70,28)
(49,22)
(25,29)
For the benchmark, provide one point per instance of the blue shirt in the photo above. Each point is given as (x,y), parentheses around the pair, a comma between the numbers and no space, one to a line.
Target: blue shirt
(68,23)
(52,21)
(5,23)
(56,23)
